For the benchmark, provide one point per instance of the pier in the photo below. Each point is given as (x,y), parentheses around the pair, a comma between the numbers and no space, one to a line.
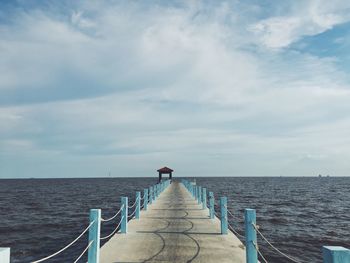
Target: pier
(176,222)
(176,228)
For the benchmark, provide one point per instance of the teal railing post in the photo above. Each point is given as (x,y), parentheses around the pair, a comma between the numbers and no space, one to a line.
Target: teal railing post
(138,205)
(250,236)
(124,224)
(154,192)
(335,254)
(211,205)
(94,236)
(145,198)
(199,194)
(223,212)
(4,254)
(150,195)
(195,192)
(204,198)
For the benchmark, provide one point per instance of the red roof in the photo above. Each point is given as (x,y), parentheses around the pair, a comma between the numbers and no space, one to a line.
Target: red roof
(165,170)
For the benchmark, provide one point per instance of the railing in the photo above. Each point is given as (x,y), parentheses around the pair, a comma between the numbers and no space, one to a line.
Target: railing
(94,228)
(331,254)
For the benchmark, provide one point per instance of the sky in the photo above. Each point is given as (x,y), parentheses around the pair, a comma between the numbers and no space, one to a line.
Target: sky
(208,88)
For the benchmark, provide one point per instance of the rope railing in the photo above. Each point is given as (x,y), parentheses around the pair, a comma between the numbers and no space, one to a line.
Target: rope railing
(132,214)
(134,203)
(84,251)
(259,252)
(67,246)
(272,246)
(198,194)
(230,226)
(150,194)
(115,230)
(115,215)
(235,232)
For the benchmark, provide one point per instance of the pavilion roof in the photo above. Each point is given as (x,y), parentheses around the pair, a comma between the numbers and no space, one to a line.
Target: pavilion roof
(165,170)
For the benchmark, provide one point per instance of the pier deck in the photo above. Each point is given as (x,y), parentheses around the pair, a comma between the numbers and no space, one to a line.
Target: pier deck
(174,228)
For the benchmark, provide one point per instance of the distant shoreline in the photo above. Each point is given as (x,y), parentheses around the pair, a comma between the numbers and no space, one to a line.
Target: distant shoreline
(155,177)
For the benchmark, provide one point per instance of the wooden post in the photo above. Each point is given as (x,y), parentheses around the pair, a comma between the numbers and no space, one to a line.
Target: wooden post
(94,236)
(250,236)
(223,211)
(124,224)
(150,195)
(4,254)
(145,198)
(204,198)
(211,205)
(138,205)
(335,254)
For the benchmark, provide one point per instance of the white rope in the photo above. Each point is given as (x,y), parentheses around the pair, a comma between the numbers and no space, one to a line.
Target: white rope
(258,250)
(89,245)
(109,219)
(234,231)
(279,251)
(228,211)
(63,249)
(132,214)
(111,234)
(134,203)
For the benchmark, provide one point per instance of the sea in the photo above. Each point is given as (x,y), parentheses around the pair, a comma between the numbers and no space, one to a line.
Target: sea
(298,215)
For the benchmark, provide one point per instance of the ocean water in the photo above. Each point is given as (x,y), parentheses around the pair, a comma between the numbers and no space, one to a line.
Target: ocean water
(298,215)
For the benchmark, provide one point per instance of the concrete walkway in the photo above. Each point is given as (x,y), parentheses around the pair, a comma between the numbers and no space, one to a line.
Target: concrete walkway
(174,229)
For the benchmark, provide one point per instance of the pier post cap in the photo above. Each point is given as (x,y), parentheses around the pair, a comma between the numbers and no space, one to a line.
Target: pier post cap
(335,254)
(223,199)
(95,212)
(5,254)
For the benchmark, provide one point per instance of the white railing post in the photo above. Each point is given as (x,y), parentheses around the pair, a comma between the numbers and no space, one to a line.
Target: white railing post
(4,254)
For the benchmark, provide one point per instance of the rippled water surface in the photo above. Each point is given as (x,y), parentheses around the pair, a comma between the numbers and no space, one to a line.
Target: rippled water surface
(298,215)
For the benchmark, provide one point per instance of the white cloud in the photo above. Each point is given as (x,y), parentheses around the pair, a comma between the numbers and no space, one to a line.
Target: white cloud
(167,84)
(307,18)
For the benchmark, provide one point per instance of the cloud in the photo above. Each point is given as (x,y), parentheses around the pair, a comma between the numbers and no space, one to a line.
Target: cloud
(306,19)
(104,85)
